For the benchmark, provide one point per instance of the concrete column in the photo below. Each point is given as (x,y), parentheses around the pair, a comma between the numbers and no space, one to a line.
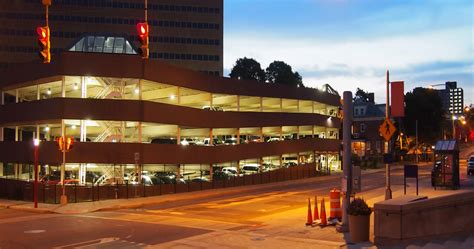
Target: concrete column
(83,87)
(63,87)
(122,131)
(238,103)
(261,104)
(211,101)
(238,168)
(179,95)
(261,165)
(178,135)
(211,137)
(178,172)
(238,135)
(281,133)
(281,161)
(261,135)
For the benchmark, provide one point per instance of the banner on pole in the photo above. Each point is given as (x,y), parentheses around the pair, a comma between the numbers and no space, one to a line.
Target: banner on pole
(397,99)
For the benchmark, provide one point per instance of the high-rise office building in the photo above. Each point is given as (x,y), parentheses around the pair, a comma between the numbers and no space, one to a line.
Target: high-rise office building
(452,98)
(186,33)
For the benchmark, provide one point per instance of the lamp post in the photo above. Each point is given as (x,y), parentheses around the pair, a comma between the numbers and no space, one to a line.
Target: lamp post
(453,118)
(36,143)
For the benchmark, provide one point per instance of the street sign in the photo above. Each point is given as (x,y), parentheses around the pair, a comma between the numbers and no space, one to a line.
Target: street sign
(387,129)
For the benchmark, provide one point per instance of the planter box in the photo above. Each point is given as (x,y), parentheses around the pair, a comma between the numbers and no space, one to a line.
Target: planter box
(359,226)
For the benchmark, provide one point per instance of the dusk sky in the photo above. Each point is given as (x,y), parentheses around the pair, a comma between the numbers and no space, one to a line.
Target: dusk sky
(352,43)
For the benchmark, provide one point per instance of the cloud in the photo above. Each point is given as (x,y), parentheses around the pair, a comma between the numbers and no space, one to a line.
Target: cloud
(417,58)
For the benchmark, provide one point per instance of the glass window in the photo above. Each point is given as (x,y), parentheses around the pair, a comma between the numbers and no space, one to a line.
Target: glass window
(118,46)
(109,45)
(99,44)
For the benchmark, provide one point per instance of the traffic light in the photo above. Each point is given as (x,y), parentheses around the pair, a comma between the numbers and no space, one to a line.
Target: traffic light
(65,143)
(142,30)
(45,45)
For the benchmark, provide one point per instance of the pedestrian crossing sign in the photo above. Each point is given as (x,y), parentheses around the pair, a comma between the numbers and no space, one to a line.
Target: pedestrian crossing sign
(387,129)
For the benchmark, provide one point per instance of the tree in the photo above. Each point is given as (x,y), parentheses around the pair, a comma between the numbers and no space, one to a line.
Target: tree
(361,95)
(426,106)
(247,69)
(279,72)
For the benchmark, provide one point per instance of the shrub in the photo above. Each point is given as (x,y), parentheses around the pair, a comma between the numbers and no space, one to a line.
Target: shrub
(359,207)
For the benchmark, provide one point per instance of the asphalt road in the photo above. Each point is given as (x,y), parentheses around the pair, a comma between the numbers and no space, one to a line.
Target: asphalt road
(270,212)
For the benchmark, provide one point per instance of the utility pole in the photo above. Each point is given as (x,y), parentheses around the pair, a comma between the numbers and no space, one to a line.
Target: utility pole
(388,191)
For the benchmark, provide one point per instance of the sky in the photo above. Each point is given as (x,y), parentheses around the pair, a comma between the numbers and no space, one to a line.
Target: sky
(351,43)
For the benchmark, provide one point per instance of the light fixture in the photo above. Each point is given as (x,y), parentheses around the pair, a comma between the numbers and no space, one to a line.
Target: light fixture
(73,127)
(48,91)
(36,142)
(455,117)
(137,91)
(46,128)
(172,97)
(75,87)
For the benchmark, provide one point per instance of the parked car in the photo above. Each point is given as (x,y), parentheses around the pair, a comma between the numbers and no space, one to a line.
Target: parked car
(289,164)
(470,165)
(151,180)
(230,170)
(187,141)
(251,168)
(221,175)
(213,108)
(200,179)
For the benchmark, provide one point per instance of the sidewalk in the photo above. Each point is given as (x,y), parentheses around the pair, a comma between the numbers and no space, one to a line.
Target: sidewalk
(106,205)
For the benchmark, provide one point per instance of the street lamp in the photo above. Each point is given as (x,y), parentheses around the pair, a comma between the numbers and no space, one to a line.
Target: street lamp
(453,118)
(36,143)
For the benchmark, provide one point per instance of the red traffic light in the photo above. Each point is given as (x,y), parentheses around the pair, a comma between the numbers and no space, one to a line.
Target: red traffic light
(45,45)
(142,29)
(43,34)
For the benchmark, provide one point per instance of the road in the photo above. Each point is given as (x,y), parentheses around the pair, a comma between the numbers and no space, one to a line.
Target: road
(271,218)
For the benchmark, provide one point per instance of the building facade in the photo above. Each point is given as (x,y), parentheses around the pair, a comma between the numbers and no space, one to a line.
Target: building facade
(452,98)
(367,142)
(186,33)
(132,116)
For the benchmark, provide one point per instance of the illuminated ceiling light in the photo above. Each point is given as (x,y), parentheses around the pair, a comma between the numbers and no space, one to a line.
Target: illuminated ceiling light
(46,128)
(137,91)
(172,97)
(48,91)
(75,87)
(73,127)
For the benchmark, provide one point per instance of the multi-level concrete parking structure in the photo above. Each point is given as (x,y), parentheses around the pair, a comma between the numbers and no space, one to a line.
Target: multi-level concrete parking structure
(131,116)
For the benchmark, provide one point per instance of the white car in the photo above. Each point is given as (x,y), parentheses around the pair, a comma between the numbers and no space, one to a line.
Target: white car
(251,168)
(230,170)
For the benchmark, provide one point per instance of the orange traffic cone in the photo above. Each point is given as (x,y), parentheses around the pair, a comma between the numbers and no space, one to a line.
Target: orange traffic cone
(309,220)
(324,220)
(316,215)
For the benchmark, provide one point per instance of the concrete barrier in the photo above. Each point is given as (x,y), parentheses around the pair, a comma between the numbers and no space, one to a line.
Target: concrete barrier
(401,220)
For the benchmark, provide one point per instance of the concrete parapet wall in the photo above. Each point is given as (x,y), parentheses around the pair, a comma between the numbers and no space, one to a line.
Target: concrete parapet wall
(401,220)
